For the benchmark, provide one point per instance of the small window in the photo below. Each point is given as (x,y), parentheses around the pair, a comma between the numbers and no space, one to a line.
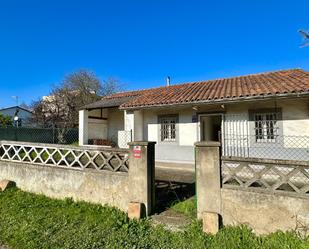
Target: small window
(266,126)
(168,128)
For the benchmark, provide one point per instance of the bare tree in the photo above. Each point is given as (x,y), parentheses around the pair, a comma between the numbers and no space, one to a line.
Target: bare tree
(25,106)
(111,85)
(60,108)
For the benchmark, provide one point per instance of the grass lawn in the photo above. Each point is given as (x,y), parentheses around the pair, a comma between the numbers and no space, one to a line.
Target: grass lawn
(187,207)
(34,221)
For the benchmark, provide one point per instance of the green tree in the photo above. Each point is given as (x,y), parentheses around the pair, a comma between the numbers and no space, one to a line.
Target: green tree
(5,120)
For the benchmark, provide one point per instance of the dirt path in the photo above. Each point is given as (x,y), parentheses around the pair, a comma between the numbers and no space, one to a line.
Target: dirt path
(172,185)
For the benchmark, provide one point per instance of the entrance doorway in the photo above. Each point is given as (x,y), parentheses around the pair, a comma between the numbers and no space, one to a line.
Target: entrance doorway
(210,127)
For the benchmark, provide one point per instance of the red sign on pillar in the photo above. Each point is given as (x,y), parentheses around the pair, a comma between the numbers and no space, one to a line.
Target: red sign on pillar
(137,152)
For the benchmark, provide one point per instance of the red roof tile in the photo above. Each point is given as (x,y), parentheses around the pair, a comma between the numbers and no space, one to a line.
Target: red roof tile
(263,84)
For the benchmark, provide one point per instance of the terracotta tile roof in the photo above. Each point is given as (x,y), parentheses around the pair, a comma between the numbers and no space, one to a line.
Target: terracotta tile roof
(290,81)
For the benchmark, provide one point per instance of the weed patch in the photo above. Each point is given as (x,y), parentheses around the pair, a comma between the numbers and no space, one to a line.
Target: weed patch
(187,207)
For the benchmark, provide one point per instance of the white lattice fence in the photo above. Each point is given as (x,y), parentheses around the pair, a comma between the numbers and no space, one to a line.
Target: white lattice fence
(65,156)
(270,175)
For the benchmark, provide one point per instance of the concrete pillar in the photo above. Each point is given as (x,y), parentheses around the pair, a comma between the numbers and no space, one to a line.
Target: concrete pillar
(134,121)
(128,120)
(129,124)
(208,179)
(138,126)
(142,175)
(83,127)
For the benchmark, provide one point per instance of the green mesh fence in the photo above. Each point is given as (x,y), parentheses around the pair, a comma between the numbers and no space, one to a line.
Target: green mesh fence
(40,135)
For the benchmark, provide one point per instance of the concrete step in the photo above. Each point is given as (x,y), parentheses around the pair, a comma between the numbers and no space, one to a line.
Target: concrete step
(171,220)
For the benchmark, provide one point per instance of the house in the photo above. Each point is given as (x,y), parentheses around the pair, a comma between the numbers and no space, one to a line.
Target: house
(23,115)
(262,115)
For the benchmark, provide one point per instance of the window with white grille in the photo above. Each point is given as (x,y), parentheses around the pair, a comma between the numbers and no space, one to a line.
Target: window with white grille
(266,126)
(168,132)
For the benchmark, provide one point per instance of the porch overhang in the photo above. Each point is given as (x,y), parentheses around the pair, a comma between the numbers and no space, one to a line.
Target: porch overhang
(106,103)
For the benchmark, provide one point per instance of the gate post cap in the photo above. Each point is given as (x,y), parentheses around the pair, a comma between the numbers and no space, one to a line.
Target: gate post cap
(207,144)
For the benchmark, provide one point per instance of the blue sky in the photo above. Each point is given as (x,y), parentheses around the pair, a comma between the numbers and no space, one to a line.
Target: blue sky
(141,42)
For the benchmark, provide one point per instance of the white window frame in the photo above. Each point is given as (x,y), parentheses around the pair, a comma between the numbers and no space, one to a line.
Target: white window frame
(266,125)
(168,128)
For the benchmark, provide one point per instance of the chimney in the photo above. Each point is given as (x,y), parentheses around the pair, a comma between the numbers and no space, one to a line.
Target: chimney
(168,81)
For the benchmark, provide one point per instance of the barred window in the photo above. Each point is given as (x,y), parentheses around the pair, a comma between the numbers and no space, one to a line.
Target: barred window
(266,127)
(168,128)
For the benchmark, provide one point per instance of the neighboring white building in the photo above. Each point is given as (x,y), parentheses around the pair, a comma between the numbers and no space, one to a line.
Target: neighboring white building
(23,115)
(263,115)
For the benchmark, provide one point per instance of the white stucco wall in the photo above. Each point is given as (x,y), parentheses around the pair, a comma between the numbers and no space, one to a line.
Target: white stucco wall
(97,128)
(180,151)
(115,123)
(150,126)
(144,123)
(295,118)
(138,130)
(187,129)
(295,122)
(293,140)
(295,114)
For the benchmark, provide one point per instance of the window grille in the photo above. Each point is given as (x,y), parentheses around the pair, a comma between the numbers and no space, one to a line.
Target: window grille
(266,127)
(168,128)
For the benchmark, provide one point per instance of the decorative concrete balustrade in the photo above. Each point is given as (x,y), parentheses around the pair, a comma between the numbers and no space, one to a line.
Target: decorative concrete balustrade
(267,195)
(94,174)
(265,174)
(78,158)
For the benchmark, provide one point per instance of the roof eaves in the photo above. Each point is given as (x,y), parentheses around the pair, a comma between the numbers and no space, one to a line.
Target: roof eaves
(16,106)
(106,103)
(220,101)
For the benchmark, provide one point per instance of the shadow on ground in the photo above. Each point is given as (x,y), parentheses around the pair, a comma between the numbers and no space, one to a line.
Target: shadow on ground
(173,186)
(169,193)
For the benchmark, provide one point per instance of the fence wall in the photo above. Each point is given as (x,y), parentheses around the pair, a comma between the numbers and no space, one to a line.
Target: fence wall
(96,175)
(106,188)
(267,195)
(284,147)
(39,135)
(265,212)
(239,140)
